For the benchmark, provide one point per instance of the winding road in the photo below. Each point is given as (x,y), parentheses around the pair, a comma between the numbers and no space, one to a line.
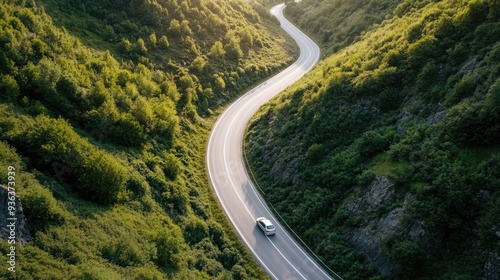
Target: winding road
(279,255)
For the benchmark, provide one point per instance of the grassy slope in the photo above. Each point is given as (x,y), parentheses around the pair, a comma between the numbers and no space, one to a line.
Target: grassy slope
(148,212)
(415,100)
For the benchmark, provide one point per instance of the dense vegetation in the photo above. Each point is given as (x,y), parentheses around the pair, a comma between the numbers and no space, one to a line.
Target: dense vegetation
(337,24)
(415,100)
(105,111)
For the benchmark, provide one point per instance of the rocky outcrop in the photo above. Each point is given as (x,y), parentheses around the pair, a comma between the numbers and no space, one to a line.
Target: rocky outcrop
(283,168)
(491,270)
(377,226)
(13,224)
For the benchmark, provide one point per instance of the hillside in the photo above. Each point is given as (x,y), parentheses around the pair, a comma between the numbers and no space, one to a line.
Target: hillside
(337,24)
(386,158)
(105,109)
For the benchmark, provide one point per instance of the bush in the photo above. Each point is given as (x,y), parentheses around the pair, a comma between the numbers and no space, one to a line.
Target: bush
(422,51)
(315,153)
(56,146)
(389,99)
(64,242)
(41,208)
(9,89)
(465,87)
(408,253)
(195,230)
(172,167)
(169,244)
(53,140)
(123,252)
(128,132)
(164,42)
(100,178)
(137,185)
(372,143)
(8,157)
(94,270)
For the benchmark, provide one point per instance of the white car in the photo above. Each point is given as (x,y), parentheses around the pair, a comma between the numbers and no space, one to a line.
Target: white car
(266,226)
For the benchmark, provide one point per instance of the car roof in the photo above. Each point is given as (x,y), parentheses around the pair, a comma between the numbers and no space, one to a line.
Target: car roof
(265,221)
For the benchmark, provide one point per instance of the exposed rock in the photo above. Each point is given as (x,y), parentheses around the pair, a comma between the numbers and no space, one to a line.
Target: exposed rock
(20,231)
(277,169)
(434,119)
(380,192)
(400,130)
(283,168)
(470,67)
(369,238)
(491,270)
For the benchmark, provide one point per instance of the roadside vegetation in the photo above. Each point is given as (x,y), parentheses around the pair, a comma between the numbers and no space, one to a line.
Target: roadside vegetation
(416,99)
(106,107)
(337,24)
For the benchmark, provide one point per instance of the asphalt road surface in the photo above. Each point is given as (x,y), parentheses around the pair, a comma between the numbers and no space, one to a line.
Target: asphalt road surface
(279,255)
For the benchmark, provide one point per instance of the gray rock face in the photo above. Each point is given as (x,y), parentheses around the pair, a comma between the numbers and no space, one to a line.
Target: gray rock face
(491,270)
(369,238)
(13,224)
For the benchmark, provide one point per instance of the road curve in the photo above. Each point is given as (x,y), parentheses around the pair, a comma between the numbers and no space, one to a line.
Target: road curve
(279,255)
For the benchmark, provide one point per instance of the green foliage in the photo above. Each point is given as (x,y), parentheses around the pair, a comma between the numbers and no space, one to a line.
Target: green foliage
(173,166)
(164,42)
(372,143)
(464,88)
(168,248)
(217,50)
(404,101)
(8,157)
(233,49)
(139,47)
(123,253)
(100,115)
(97,176)
(93,270)
(100,178)
(9,89)
(408,253)
(41,208)
(336,24)
(195,230)
(198,63)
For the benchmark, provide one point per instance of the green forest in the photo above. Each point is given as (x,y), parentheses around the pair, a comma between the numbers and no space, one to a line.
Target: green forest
(106,108)
(394,136)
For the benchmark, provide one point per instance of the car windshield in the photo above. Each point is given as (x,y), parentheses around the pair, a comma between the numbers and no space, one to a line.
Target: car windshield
(270,227)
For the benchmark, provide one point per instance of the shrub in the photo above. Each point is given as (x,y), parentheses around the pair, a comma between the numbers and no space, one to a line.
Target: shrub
(137,185)
(53,140)
(389,99)
(239,273)
(315,153)
(94,270)
(371,143)
(9,89)
(164,42)
(41,208)
(195,230)
(123,252)
(406,252)
(8,157)
(100,178)
(140,47)
(422,51)
(217,50)
(465,87)
(128,132)
(168,248)
(172,167)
